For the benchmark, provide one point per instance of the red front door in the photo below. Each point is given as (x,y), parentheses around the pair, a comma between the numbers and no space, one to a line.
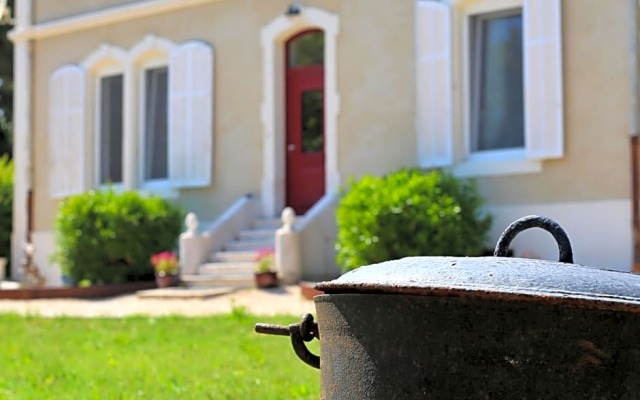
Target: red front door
(304,120)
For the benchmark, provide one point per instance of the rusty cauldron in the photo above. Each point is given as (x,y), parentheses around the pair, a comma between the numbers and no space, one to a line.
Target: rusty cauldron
(476,328)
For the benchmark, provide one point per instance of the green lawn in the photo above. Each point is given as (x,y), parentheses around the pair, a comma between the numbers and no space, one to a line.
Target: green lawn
(150,358)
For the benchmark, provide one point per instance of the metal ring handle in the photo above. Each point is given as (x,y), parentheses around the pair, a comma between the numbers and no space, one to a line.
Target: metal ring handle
(301,350)
(534,221)
(304,331)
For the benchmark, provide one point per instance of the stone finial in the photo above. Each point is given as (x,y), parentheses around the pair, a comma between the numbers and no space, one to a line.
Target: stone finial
(288,218)
(33,277)
(191,221)
(29,249)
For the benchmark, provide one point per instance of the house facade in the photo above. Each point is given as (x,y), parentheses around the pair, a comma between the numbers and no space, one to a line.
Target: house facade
(207,101)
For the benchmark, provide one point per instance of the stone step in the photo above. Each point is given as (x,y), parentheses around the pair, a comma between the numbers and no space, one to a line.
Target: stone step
(243,245)
(257,234)
(220,268)
(213,281)
(234,256)
(267,223)
(183,292)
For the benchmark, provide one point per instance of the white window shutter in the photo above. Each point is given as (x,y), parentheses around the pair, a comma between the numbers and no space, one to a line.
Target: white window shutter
(434,85)
(67,131)
(191,115)
(543,79)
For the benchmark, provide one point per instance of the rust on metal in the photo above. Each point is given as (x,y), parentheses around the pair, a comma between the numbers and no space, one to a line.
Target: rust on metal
(304,331)
(381,346)
(534,221)
(476,327)
(508,279)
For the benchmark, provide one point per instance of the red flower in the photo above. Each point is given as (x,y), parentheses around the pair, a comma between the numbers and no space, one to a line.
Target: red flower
(165,262)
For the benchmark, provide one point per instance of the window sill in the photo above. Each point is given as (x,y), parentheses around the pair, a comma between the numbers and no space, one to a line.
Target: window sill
(160,188)
(497,164)
(116,187)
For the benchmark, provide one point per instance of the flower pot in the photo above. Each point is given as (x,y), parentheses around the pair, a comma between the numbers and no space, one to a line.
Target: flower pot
(166,280)
(308,290)
(266,279)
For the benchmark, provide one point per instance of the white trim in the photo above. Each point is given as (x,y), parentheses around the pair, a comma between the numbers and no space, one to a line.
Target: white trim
(151,46)
(110,71)
(105,54)
(148,63)
(434,84)
(152,51)
(107,60)
(94,19)
(272,37)
(469,67)
(478,167)
(488,6)
(21,148)
(21,135)
(493,162)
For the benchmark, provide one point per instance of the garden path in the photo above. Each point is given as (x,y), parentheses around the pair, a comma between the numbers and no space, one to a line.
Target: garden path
(282,300)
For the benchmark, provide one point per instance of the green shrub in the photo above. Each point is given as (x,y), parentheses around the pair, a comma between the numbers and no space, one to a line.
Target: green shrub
(109,237)
(6,206)
(409,213)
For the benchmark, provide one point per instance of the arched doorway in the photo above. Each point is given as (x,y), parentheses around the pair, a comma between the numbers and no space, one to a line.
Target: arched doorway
(304,125)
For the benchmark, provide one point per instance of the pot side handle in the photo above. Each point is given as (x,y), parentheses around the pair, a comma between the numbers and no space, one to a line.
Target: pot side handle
(535,221)
(304,331)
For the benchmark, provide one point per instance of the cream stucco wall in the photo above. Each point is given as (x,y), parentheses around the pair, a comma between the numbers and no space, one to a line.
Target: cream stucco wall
(376,80)
(48,10)
(376,101)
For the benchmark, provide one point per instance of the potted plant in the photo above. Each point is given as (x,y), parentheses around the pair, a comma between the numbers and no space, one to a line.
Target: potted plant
(265,275)
(166,266)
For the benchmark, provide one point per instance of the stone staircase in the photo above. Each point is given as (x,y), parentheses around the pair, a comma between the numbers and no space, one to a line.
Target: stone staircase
(234,265)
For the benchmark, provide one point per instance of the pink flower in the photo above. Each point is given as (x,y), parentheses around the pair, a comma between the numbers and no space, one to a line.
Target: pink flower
(264,253)
(166,261)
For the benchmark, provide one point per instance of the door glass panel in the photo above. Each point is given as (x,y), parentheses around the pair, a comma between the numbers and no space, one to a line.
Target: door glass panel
(312,121)
(306,49)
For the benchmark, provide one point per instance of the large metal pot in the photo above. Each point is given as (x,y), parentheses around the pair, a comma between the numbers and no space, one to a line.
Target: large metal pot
(476,328)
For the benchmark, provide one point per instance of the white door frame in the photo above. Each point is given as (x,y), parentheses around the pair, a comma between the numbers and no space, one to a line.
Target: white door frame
(273,38)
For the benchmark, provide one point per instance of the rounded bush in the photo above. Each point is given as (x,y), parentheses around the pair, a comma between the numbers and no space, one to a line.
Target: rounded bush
(109,237)
(409,213)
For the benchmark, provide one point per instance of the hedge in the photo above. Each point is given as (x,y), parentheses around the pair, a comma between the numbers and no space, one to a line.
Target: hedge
(409,213)
(109,237)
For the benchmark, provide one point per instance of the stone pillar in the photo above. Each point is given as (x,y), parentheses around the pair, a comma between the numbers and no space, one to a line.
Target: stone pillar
(192,247)
(288,249)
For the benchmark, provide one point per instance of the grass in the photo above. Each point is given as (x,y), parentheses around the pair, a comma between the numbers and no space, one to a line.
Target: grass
(217,357)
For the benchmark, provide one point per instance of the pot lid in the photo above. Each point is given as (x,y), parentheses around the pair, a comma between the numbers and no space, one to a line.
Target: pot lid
(499,277)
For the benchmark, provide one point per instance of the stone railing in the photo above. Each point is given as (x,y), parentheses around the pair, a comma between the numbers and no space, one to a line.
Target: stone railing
(287,251)
(195,247)
(305,246)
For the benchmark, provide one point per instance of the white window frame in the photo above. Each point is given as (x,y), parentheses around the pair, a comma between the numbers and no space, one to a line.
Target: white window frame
(107,60)
(105,72)
(150,52)
(487,162)
(152,185)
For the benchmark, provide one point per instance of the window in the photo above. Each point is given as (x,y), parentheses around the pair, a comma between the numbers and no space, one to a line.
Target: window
(151,115)
(306,50)
(499,95)
(497,98)
(110,129)
(155,124)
